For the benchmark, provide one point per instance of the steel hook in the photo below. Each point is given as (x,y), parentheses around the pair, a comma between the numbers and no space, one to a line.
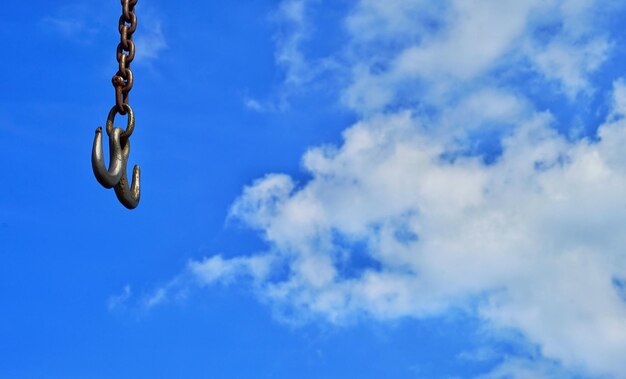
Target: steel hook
(108,178)
(129,197)
(119,147)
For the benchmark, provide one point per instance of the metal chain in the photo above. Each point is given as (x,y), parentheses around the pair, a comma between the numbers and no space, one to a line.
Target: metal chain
(123,79)
(119,144)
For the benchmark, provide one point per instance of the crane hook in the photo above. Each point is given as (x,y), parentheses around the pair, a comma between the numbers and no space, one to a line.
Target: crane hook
(129,197)
(115,176)
(108,178)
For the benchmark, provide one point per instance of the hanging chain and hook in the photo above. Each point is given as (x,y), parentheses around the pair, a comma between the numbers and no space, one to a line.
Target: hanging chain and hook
(119,140)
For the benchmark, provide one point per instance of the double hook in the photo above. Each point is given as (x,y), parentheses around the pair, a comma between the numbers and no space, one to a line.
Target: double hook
(119,151)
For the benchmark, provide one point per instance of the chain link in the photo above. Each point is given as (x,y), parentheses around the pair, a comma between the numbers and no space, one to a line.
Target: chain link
(123,80)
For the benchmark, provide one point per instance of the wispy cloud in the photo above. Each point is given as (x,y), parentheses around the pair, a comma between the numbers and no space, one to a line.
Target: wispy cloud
(289,57)
(298,70)
(119,301)
(266,106)
(82,22)
(521,368)
(77,22)
(292,15)
(150,39)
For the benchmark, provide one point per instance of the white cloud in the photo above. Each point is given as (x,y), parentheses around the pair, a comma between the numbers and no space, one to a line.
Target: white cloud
(217,269)
(289,53)
(277,104)
(478,33)
(120,300)
(149,38)
(296,68)
(255,105)
(77,21)
(461,43)
(376,20)
(531,242)
(82,22)
(536,236)
(516,368)
(569,64)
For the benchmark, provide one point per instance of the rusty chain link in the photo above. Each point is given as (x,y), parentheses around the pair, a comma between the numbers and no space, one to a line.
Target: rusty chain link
(123,79)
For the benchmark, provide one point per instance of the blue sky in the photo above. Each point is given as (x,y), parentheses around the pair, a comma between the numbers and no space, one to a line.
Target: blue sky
(346,189)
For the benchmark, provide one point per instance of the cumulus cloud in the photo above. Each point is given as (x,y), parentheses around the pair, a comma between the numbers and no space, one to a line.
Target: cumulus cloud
(531,242)
(405,218)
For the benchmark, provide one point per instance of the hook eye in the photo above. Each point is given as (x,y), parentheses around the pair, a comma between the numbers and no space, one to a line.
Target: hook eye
(108,178)
(130,123)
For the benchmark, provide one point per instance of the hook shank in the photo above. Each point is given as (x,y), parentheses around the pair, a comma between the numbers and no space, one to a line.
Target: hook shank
(108,178)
